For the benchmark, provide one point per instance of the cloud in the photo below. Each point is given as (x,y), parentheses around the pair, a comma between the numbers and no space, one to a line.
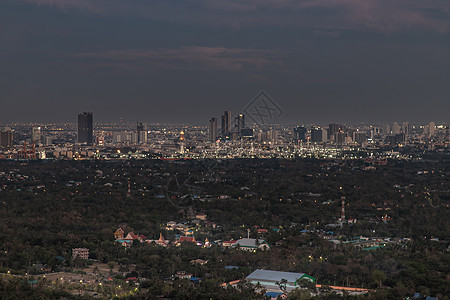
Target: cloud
(187,58)
(373,15)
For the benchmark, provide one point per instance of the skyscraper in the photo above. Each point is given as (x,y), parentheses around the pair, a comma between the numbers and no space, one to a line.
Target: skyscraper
(226,124)
(318,135)
(213,129)
(239,123)
(300,134)
(35,134)
(6,137)
(141,133)
(432,129)
(85,128)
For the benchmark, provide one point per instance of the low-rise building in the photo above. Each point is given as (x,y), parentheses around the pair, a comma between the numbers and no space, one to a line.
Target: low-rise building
(248,244)
(272,280)
(82,253)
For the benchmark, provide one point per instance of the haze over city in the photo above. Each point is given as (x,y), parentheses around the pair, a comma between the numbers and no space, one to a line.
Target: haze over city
(183,61)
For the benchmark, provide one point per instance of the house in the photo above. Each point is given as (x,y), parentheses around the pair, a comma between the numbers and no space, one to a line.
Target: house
(82,253)
(183,275)
(248,244)
(201,217)
(268,279)
(199,261)
(131,236)
(119,234)
(227,244)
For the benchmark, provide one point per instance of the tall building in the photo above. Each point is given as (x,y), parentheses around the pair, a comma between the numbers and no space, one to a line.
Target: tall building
(6,137)
(85,128)
(396,128)
(432,129)
(35,133)
(318,135)
(141,133)
(300,134)
(239,123)
(213,129)
(226,124)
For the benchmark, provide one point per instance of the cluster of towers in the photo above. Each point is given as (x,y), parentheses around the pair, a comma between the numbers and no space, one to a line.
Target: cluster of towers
(228,128)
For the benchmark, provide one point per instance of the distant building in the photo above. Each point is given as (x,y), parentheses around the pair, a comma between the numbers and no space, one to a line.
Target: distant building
(82,253)
(432,128)
(248,244)
(6,137)
(239,123)
(300,134)
(213,129)
(359,137)
(35,134)
(85,128)
(318,135)
(141,133)
(269,279)
(226,124)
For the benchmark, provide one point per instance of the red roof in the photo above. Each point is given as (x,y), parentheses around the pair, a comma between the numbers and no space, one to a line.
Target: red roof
(142,236)
(262,230)
(187,239)
(229,242)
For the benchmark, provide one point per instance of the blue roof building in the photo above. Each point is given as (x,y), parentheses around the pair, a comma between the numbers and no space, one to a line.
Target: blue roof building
(268,279)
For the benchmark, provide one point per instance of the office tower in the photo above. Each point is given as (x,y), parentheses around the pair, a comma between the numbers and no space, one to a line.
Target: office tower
(35,134)
(142,137)
(226,124)
(432,128)
(300,134)
(318,135)
(239,123)
(340,137)
(386,129)
(85,128)
(213,129)
(405,128)
(333,128)
(139,129)
(6,137)
(359,137)
(395,128)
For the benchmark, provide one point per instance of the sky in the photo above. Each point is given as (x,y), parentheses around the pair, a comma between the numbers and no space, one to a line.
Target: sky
(185,61)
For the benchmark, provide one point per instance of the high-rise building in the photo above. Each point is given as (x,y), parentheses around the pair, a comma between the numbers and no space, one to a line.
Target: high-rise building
(239,123)
(396,128)
(318,135)
(359,137)
(141,133)
(405,128)
(213,129)
(432,128)
(300,134)
(35,133)
(6,137)
(226,124)
(85,128)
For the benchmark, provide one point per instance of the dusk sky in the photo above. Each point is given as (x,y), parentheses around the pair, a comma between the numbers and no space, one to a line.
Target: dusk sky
(188,60)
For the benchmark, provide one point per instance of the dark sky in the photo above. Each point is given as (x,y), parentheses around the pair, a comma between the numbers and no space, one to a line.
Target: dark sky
(188,60)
